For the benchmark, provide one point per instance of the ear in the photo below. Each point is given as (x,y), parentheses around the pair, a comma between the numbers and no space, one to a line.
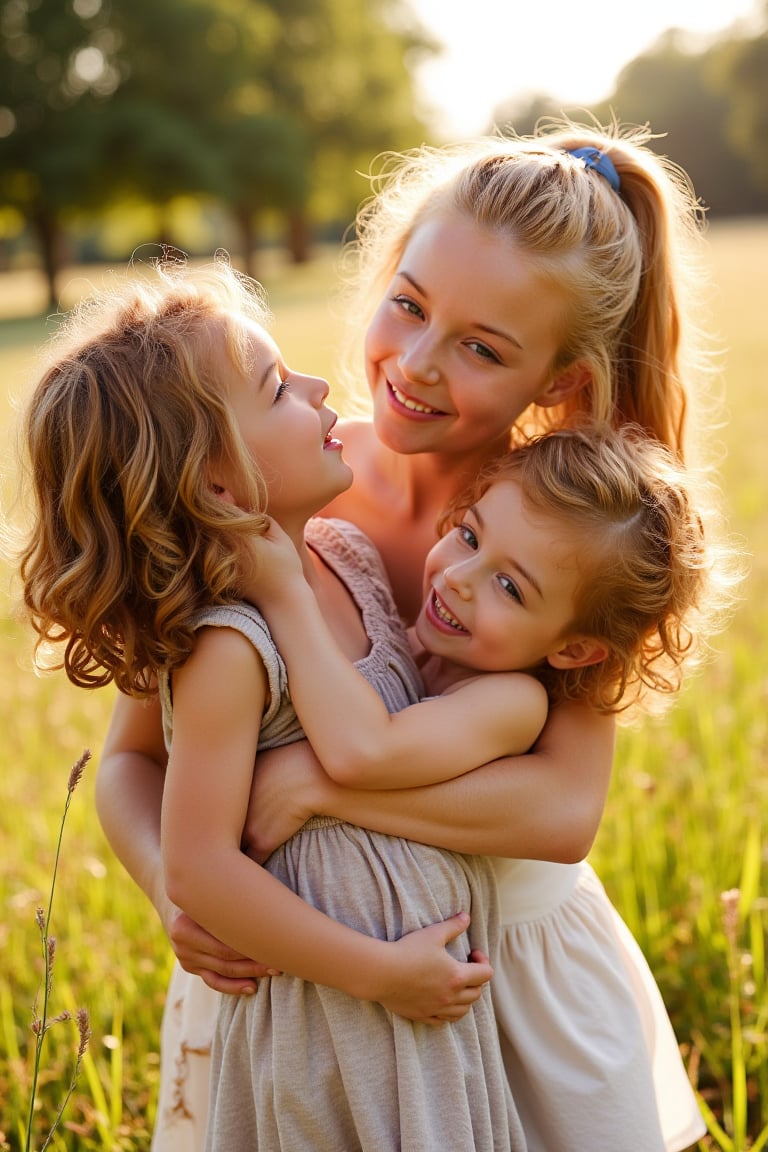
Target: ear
(571,380)
(224,495)
(220,491)
(578,653)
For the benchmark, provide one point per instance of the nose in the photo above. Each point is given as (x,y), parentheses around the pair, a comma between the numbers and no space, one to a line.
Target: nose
(316,389)
(419,362)
(458,577)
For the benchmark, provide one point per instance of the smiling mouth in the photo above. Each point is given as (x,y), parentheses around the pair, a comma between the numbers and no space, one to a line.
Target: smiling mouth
(413,405)
(443,614)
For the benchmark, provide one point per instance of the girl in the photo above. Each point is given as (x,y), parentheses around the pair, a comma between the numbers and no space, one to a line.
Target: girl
(503,282)
(156,400)
(576,568)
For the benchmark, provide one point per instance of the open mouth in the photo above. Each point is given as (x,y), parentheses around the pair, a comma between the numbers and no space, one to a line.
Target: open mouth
(444,615)
(330,440)
(413,405)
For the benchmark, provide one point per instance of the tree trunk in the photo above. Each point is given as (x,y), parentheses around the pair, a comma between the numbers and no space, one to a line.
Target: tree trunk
(298,237)
(248,241)
(46,228)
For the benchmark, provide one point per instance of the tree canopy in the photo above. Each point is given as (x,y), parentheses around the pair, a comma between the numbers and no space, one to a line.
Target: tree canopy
(271,108)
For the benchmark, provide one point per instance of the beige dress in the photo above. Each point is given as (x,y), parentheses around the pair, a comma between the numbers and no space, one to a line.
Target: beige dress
(299,1066)
(589,1050)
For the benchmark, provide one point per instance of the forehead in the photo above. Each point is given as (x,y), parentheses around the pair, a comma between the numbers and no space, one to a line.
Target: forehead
(518,524)
(482,274)
(242,342)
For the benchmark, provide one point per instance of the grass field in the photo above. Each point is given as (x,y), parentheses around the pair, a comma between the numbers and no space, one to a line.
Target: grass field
(685,820)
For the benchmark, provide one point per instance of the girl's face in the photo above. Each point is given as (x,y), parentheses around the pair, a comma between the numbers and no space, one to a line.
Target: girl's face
(500,588)
(463,341)
(286,426)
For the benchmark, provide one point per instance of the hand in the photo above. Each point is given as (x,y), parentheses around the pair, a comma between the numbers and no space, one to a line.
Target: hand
(433,988)
(270,564)
(203,955)
(284,788)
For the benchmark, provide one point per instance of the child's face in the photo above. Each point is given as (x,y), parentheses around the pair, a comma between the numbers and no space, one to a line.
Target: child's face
(463,342)
(500,588)
(286,426)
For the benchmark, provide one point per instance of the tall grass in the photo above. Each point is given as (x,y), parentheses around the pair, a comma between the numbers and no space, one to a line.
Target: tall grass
(685,821)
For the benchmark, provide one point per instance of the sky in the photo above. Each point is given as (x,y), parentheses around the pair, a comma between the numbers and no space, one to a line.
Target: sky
(570,49)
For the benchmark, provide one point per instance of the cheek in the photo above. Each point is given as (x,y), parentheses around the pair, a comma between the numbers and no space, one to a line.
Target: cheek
(375,339)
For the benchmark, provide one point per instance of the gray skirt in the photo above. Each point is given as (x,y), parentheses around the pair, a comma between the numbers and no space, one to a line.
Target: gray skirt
(300,1067)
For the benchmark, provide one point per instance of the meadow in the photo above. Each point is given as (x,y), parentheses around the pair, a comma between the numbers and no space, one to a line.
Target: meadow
(685,821)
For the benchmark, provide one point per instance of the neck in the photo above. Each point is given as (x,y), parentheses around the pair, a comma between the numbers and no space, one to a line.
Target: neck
(428,481)
(439,675)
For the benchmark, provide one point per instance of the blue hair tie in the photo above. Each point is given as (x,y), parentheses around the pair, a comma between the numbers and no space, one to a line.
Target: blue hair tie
(594,158)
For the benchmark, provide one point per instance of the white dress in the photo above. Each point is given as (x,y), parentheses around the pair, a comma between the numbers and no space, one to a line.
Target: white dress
(588,1046)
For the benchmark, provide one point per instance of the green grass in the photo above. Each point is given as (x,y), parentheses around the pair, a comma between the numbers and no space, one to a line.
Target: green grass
(684,823)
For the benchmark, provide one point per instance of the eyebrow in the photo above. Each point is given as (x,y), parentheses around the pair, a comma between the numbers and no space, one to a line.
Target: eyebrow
(514,564)
(482,327)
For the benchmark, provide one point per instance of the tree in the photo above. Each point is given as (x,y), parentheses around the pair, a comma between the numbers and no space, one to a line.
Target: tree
(53,133)
(689,100)
(261,104)
(742,71)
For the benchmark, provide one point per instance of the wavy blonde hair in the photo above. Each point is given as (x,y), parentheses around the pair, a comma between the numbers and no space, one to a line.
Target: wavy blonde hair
(128,539)
(629,262)
(657,575)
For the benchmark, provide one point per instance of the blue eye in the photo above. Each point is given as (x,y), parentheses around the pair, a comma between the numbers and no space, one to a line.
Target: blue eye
(509,587)
(467,535)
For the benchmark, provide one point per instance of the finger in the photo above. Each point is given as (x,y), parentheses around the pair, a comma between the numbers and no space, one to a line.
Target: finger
(454,926)
(229,987)
(478,957)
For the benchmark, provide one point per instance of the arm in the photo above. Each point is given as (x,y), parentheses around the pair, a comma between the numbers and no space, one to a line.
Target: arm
(356,739)
(216,727)
(129,789)
(545,805)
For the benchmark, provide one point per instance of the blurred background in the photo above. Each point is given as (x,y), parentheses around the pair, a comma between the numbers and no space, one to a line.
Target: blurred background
(248,124)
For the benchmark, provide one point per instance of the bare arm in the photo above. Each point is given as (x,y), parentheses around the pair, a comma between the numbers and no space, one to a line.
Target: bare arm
(358,742)
(129,790)
(218,700)
(545,805)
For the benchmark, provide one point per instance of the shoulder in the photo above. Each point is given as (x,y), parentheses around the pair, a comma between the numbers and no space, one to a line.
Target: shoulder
(222,650)
(513,702)
(347,544)
(510,686)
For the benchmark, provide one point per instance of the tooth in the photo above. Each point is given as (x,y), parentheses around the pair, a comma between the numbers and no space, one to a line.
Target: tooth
(411,404)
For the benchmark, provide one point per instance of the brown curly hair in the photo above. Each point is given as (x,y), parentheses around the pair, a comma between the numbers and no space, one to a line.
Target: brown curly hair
(128,539)
(657,575)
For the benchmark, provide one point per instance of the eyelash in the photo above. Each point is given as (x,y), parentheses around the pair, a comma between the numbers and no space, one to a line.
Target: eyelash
(407,305)
(465,532)
(283,387)
(510,588)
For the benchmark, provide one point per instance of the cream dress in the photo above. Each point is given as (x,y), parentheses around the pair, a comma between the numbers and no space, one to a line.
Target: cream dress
(304,1068)
(589,1049)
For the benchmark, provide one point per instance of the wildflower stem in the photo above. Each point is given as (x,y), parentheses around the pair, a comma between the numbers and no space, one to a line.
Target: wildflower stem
(40,1022)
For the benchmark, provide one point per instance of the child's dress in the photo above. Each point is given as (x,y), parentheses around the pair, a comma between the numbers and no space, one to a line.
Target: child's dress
(299,1066)
(588,1048)
(590,1054)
